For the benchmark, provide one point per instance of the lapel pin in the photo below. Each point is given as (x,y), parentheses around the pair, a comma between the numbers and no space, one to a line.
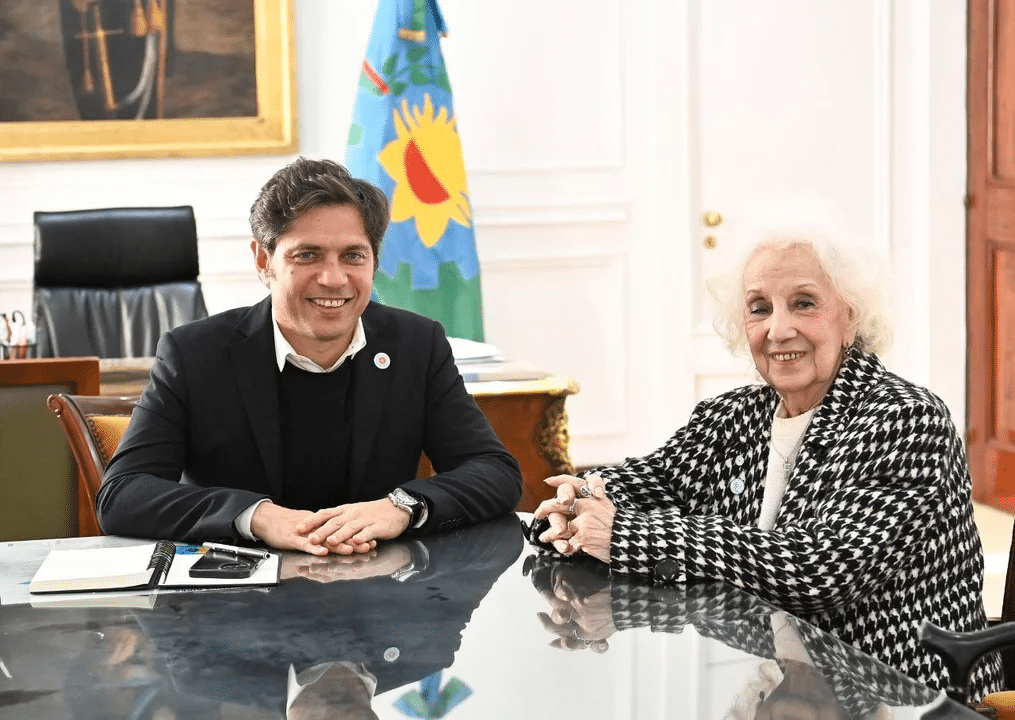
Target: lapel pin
(381,360)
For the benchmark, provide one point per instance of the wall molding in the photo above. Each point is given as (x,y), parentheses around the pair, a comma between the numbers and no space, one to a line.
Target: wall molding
(235,277)
(15,285)
(579,214)
(17,234)
(557,260)
(493,172)
(882,82)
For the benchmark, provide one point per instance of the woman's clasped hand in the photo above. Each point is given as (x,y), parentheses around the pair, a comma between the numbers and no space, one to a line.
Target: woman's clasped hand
(580,516)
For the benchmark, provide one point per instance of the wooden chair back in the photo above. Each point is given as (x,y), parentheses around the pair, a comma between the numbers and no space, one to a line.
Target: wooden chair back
(93,426)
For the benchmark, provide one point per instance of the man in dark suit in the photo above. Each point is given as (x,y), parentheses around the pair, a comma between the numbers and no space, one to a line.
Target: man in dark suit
(299,422)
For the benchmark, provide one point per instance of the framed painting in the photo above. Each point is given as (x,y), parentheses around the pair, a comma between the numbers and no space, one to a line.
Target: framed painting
(146,78)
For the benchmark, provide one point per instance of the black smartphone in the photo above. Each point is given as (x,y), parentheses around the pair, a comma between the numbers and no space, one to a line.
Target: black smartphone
(215,564)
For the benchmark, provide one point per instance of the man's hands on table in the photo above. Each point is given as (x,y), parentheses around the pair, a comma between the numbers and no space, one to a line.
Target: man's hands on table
(342,530)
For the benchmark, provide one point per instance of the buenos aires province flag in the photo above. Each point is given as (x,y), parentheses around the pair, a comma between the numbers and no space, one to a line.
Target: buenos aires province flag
(404,139)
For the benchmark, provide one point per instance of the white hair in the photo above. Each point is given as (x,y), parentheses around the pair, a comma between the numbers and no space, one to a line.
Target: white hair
(857,273)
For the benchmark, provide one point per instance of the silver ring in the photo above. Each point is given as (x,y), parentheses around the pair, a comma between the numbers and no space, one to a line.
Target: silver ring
(570,508)
(576,634)
(585,491)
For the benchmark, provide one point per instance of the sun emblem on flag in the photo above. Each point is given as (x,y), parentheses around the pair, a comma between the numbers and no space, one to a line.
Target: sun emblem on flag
(425,161)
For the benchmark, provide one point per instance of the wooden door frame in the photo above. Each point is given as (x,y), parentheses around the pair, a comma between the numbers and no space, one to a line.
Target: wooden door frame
(990,230)
(978,386)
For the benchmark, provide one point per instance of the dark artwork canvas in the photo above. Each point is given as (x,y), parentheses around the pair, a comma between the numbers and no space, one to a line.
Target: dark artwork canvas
(126,59)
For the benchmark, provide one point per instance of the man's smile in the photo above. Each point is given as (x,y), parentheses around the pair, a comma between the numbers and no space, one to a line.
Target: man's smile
(329,302)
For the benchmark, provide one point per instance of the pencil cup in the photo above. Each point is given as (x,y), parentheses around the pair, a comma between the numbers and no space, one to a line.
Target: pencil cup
(21,351)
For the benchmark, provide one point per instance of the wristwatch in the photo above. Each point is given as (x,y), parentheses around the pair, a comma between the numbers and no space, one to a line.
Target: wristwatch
(408,502)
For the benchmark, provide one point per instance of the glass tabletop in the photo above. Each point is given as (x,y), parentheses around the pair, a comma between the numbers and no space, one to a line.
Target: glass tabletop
(468,624)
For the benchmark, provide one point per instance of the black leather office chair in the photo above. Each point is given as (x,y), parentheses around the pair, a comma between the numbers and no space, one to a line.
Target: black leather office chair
(109,282)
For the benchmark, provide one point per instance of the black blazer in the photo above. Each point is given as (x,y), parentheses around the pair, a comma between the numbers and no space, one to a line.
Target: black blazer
(204,441)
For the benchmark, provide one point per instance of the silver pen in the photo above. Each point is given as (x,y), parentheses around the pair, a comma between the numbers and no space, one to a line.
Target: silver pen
(234,550)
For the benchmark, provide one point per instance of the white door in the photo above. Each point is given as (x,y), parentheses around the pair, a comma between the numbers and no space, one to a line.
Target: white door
(787,117)
(641,117)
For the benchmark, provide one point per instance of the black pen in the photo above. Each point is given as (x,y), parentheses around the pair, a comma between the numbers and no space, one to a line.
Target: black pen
(234,550)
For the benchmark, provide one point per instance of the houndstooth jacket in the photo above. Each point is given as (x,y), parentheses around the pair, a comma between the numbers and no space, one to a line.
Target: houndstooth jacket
(875,533)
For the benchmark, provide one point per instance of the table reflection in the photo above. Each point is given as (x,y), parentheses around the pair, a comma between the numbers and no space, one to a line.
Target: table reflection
(802,673)
(336,631)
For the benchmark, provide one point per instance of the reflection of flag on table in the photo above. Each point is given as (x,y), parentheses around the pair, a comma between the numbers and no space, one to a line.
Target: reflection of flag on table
(431,702)
(404,139)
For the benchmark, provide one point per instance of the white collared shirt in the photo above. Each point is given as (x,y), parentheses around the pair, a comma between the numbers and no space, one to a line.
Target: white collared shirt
(284,351)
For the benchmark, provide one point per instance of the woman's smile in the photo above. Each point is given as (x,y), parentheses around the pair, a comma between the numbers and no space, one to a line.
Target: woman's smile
(791,301)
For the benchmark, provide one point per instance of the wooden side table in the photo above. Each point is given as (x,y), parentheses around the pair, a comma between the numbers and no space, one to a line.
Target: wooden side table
(525,406)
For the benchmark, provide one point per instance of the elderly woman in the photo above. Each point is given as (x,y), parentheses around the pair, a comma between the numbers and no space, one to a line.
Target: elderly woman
(835,490)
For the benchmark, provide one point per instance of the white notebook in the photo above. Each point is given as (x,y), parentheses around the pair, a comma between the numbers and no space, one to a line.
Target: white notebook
(152,566)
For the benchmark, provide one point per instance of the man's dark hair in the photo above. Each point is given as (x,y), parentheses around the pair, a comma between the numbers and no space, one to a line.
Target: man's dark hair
(306,184)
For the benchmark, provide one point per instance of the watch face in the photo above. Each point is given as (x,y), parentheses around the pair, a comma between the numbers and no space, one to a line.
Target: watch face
(405,498)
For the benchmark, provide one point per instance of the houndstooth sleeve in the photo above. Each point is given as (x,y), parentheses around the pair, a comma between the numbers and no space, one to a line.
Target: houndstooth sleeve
(670,479)
(853,520)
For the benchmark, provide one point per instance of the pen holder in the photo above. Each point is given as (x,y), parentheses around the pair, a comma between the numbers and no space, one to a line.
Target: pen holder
(22,351)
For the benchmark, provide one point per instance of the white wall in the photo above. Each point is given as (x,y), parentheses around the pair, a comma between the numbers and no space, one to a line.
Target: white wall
(578,124)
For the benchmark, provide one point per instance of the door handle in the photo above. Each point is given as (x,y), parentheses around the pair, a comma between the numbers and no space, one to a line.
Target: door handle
(711,219)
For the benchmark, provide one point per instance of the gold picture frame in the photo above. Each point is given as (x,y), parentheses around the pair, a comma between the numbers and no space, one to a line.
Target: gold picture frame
(271,131)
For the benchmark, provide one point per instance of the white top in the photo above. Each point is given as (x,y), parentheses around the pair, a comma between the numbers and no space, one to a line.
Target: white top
(787,436)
